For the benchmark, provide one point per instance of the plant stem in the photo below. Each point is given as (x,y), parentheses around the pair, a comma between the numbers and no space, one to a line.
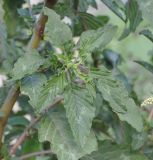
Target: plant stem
(7,108)
(40,26)
(34,154)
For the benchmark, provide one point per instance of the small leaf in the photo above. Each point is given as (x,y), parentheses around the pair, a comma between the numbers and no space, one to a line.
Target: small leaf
(31,86)
(50,91)
(55,129)
(93,3)
(133,14)
(111,58)
(80,112)
(27,64)
(23,12)
(117,7)
(148,34)
(18,120)
(133,18)
(83,5)
(146,65)
(56,31)
(12,20)
(91,22)
(93,40)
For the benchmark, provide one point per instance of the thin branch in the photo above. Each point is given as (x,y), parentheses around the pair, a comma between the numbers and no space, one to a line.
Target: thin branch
(25,134)
(38,30)
(6,109)
(40,153)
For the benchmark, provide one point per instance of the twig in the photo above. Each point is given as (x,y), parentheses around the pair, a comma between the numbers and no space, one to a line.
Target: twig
(38,30)
(25,134)
(34,154)
(7,108)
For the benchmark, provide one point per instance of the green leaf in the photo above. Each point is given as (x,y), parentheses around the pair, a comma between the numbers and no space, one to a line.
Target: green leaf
(27,64)
(117,7)
(93,40)
(3,93)
(56,31)
(3,35)
(18,120)
(28,148)
(55,129)
(51,90)
(32,86)
(138,140)
(147,33)
(115,93)
(91,22)
(133,18)
(133,14)
(80,111)
(63,9)
(93,3)
(11,16)
(146,8)
(146,65)
(108,151)
(83,5)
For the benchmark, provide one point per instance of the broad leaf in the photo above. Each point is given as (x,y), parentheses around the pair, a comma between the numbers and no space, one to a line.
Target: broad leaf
(50,91)
(32,86)
(115,93)
(138,140)
(93,40)
(108,151)
(27,64)
(56,31)
(55,129)
(146,65)
(80,112)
